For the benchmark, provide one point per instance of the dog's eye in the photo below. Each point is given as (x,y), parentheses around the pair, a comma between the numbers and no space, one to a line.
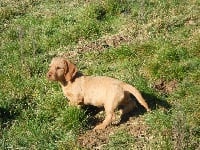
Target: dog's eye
(57,68)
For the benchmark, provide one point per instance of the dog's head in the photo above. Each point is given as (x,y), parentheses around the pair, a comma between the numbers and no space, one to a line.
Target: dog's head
(61,70)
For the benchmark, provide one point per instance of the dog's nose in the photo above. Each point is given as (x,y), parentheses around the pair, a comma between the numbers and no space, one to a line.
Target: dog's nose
(49,74)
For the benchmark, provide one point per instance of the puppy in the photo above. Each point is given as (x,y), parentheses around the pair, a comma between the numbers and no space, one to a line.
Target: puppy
(99,91)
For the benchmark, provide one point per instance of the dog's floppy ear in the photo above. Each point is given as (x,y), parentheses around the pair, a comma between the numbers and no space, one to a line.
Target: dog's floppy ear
(71,71)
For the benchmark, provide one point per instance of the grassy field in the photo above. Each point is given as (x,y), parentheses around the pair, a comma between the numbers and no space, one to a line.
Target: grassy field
(154,45)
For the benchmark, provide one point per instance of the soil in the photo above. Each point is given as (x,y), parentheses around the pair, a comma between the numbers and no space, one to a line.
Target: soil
(164,86)
(133,124)
(128,34)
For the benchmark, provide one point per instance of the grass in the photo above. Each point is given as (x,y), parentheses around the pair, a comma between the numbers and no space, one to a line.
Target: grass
(120,140)
(164,44)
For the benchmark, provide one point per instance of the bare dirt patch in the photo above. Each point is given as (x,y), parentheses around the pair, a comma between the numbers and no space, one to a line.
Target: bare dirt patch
(101,44)
(164,86)
(98,139)
(129,34)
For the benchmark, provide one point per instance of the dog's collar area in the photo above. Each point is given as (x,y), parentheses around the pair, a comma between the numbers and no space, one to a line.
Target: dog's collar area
(77,75)
(64,83)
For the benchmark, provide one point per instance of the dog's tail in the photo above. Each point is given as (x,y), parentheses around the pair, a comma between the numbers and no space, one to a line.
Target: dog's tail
(137,94)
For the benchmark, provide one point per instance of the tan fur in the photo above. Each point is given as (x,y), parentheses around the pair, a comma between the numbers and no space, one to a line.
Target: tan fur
(99,91)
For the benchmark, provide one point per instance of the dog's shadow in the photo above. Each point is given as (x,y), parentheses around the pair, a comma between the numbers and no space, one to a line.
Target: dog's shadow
(91,112)
(153,101)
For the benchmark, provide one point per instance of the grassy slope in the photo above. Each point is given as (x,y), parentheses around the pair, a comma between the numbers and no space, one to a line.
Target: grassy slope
(165,45)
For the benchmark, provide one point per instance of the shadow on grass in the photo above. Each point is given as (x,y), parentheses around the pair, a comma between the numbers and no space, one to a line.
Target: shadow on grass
(7,115)
(91,111)
(12,110)
(153,102)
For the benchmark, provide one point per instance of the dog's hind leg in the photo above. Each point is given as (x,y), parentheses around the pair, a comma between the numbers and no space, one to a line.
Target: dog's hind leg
(130,105)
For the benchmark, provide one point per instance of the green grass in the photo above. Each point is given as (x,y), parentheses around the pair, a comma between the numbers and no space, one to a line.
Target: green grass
(165,44)
(120,140)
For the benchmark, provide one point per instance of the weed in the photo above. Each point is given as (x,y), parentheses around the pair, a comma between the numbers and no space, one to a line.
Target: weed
(120,140)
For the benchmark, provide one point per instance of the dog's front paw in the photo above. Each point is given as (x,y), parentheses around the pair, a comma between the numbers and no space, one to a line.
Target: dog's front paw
(73,103)
(100,127)
(148,110)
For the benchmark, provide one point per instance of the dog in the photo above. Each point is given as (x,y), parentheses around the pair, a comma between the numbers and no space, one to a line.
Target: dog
(100,91)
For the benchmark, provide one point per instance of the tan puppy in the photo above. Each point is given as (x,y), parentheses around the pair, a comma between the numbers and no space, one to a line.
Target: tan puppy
(99,91)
